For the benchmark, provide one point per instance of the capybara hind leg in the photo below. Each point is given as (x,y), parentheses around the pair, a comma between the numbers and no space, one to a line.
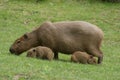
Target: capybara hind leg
(96,53)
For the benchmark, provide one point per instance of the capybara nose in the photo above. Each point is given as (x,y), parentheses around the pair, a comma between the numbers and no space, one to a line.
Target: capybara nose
(11,50)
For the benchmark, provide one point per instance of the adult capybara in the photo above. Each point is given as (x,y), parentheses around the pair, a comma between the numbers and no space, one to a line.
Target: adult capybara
(41,52)
(83,57)
(65,37)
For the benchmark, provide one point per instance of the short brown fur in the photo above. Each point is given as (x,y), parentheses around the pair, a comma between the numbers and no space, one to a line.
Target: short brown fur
(41,52)
(83,57)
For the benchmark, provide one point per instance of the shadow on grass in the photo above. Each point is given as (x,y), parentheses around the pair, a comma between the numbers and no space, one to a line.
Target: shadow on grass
(62,60)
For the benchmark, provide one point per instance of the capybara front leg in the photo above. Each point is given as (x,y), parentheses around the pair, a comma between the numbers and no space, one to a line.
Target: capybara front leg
(56,55)
(96,53)
(100,59)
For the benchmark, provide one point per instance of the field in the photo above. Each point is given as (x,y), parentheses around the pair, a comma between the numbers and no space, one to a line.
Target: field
(20,16)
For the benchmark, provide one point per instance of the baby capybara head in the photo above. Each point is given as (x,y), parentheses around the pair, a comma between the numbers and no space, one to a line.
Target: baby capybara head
(32,53)
(92,60)
(23,43)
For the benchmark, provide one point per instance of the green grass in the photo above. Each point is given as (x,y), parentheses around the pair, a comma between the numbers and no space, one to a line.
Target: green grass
(20,16)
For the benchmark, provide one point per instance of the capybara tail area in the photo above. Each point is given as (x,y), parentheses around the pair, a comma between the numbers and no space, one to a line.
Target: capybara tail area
(97,53)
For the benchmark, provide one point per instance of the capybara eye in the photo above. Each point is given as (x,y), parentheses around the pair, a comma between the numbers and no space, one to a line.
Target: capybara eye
(33,50)
(18,41)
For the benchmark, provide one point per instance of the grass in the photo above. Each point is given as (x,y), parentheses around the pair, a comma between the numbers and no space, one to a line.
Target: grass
(20,16)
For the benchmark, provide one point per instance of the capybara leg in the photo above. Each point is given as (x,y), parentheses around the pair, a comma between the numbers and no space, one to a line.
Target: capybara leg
(56,55)
(100,59)
(96,53)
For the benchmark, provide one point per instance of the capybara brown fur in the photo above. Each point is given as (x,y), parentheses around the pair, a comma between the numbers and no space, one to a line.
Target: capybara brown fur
(83,57)
(65,37)
(41,52)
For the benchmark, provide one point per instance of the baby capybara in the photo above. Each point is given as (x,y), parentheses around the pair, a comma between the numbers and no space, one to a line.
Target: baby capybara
(82,57)
(41,52)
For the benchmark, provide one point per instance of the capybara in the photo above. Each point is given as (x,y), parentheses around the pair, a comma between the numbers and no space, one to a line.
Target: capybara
(83,57)
(65,37)
(41,52)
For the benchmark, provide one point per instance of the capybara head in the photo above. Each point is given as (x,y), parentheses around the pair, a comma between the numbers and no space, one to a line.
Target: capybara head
(92,60)
(24,43)
(32,53)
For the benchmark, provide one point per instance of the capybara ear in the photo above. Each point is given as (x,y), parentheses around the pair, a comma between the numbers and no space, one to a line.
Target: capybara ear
(25,36)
